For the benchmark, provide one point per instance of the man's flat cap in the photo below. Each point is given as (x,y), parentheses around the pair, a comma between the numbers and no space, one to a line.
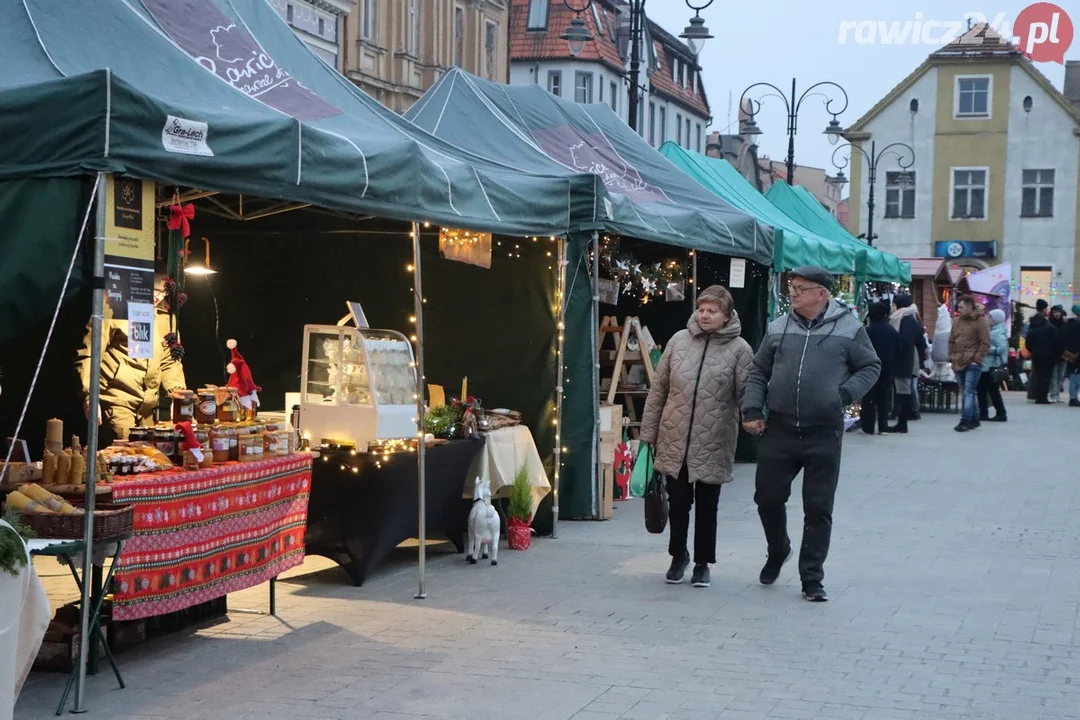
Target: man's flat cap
(815,274)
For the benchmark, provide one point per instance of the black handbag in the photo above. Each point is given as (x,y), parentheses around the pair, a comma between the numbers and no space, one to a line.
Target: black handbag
(999,374)
(656,504)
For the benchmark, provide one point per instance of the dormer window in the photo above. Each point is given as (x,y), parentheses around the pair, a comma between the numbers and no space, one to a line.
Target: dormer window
(538,15)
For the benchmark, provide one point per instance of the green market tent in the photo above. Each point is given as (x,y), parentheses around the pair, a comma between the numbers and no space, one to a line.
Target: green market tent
(221,95)
(649,200)
(872,265)
(795,245)
(529,128)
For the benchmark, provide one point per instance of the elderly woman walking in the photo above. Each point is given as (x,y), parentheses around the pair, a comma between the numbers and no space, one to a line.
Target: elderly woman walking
(905,318)
(692,418)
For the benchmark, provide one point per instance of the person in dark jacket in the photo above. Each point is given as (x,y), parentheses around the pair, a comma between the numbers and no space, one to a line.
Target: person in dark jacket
(890,351)
(1072,353)
(1041,308)
(905,319)
(1057,375)
(1044,345)
(814,361)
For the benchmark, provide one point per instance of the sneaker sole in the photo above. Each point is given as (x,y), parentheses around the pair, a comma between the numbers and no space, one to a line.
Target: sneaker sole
(702,584)
(818,599)
(674,582)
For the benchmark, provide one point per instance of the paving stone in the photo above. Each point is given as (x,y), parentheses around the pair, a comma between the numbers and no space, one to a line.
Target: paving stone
(953,595)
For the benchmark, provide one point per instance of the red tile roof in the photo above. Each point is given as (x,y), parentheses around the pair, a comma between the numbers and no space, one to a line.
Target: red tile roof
(981,41)
(546,44)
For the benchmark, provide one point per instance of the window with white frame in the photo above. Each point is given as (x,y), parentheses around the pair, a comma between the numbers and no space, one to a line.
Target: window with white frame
(1037,199)
(969,193)
(555,82)
(367,19)
(697,130)
(973,97)
(663,125)
(900,194)
(538,15)
(491,48)
(583,87)
(687,133)
(614,97)
(678,129)
(652,123)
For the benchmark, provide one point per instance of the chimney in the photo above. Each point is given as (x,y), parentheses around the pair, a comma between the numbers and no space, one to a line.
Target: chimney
(1072,82)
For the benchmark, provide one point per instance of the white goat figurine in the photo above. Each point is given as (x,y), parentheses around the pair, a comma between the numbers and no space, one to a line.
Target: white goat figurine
(483,525)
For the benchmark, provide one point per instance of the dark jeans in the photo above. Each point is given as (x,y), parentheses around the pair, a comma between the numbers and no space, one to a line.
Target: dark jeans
(990,393)
(681,496)
(968,380)
(1041,370)
(875,405)
(783,452)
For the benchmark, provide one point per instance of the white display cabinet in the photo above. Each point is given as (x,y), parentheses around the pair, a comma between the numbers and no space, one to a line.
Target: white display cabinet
(357,385)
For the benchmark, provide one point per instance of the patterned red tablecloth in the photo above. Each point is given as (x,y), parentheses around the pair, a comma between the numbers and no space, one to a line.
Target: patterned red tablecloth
(200,535)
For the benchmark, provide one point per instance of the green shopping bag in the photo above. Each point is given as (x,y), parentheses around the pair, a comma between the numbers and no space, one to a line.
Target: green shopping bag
(643,470)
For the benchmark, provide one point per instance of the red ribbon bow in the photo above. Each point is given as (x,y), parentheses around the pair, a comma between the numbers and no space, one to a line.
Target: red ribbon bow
(180,219)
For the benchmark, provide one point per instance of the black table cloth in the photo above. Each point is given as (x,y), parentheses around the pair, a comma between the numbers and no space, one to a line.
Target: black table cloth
(362,506)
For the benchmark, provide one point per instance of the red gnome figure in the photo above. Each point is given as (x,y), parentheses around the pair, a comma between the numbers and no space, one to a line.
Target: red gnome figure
(190,443)
(240,378)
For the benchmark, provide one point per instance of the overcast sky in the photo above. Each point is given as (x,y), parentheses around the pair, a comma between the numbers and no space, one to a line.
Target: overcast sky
(773,40)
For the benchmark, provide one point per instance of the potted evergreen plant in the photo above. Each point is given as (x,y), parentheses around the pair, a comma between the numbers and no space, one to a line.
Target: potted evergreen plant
(519,527)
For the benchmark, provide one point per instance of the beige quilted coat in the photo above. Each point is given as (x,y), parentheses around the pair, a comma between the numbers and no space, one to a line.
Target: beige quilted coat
(717,365)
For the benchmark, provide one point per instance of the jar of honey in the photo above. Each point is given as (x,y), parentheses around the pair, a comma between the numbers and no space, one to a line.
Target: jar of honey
(246,446)
(203,437)
(183,406)
(139,435)
(227,406)
(206,407)
(220,441)
(166,442)
(271,447)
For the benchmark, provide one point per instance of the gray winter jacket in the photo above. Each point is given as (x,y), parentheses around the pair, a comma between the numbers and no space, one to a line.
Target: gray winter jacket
(806,373)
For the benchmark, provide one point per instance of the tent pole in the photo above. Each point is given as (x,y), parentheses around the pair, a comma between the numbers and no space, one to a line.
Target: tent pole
(598,461)
(98,309)
(421,446)
(694,280)
(560,295)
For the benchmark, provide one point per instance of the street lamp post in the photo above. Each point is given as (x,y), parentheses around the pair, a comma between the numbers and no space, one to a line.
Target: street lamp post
(793,105)
(905,158)
(577,35)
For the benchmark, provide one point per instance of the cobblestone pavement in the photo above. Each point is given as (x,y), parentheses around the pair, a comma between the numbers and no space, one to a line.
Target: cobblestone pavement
(953,576)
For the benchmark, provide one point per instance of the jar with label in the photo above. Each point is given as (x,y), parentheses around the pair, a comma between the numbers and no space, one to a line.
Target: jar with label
(166,442)
(138,435)
(219,443)
(270,444)
(227,407)
(234,444)
(203,436)
(206,407)
(246,446)
(183,406)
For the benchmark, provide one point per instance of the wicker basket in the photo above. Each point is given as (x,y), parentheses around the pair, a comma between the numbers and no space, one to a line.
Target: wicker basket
(498,420)
(110,520)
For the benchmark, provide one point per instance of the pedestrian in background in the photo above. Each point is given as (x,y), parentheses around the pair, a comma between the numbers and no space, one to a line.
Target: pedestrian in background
(905,318)
(815,360)
(692,418)
(1072,355)
(890,351)
(1044,344)
(996,359)
(969,342)
(1057,374)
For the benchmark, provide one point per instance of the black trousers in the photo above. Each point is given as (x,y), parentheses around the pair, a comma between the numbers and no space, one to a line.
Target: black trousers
(783,452)
(989,393)
(681,496)
(1041,370)
(875,405)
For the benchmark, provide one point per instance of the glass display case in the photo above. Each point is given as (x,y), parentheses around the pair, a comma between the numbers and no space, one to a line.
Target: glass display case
(358,385)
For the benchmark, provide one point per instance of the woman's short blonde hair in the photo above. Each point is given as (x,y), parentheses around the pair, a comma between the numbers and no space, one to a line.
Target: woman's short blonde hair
(720,295)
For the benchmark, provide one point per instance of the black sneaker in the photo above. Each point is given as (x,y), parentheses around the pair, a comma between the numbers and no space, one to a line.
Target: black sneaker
(962,427)
(677,571)
(771,571)
(814,592)
(1074,403)
(999,418)
(701,578)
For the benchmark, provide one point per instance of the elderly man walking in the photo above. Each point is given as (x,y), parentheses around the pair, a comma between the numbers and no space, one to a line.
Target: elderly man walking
(814,361)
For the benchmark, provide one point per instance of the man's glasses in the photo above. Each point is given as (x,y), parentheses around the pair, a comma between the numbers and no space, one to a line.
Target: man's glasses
(795,290)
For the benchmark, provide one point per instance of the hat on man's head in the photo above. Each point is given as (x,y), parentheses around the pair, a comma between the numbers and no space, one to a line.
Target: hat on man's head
(902,301)
(1041,305)
(815,274)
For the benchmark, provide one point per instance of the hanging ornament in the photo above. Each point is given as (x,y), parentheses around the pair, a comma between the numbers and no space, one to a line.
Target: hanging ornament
(176,350)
